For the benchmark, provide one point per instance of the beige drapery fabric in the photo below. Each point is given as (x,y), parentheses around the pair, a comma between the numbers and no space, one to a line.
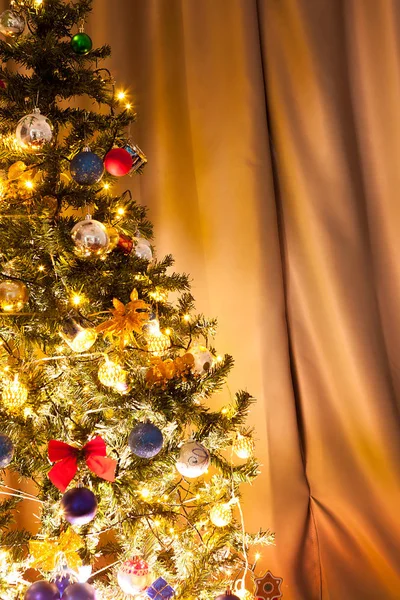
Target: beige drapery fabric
(302,271)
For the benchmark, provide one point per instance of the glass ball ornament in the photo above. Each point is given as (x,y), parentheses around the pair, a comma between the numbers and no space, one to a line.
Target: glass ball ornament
(63,580)
(42,590)
(86,167)
(81,43)
(79,506)
(143,249)
(134,576)
(203,359)
(14,394)
(112,375)
(78,338)
(157,342)
(90,238)
(227,596)
(13,295)
(11,23)
(34,131)
(6,450)
(146,440)
(243,446)
(79,591)
(221,514)
(193,459)
(118,162)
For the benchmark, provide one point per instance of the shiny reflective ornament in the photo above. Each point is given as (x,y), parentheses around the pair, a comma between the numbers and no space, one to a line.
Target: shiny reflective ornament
(81,43)
(157,342)
(79,591)
(91,238)
(138,157)
(42,590)
(63,580)
(134,576)
(221,514)
(86,167)
(227,596)
(193,460)
(243,446)
(11,23)
(203,359)
(118,162)
(14,394)
(79,506)
(146,440)
(13,295)
(78,338)
(112,375)
(143,249)
(6,450)
(34,131)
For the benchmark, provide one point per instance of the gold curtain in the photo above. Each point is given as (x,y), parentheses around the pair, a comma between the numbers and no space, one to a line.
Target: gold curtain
(298,261)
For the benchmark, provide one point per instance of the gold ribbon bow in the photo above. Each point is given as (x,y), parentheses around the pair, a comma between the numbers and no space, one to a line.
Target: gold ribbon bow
(46,553)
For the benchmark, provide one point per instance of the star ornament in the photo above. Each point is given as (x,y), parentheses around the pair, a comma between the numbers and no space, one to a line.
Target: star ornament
(268,587)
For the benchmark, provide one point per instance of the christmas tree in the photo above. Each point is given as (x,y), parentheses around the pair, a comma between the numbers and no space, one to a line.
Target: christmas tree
(106,370)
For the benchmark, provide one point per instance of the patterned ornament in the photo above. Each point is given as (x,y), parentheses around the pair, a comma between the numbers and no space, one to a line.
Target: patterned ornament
(14,394)
(90,238)
(193,460)
(81,43)
(160,590)
(79,506)
(34,131)
(146,440)
(118,162)
(78,338)
(79,591)
(112,375)
(203,359)
(11,23)
(13,295)
(143,249)
(221,514)
(46,553)
(243,446)
(126,319)
(6,450)
(125,244)
(138,158)
(268,587)
(134,576)
(157,342)
(86,167)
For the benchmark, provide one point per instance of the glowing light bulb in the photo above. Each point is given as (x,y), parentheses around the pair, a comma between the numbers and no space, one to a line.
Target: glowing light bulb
(219,358)
(77,299)
(106,186)
(145,493)
(41,268)
(186,318)
(29,184)
(257,556)
(120,211)
(121,95)
(167,332)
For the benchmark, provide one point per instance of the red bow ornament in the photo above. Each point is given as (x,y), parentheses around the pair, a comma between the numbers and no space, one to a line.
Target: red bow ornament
(66,457)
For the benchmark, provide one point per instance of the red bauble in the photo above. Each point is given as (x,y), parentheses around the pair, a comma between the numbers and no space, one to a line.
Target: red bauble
(2,84)
(125,244)
(118,162)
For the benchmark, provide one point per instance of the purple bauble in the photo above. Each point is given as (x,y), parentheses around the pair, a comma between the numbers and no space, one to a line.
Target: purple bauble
(145,440)
(62,581)
(79,506)
(42,590)
(79,591)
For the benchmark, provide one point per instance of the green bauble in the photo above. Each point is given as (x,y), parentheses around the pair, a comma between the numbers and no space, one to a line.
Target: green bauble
(81,43)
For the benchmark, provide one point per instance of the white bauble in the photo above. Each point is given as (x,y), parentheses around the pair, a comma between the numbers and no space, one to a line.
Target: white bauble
(134,576)
(193,460)
(203,359)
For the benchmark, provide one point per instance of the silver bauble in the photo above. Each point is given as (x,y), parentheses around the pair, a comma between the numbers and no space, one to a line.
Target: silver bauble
(91,238)
(34,131)
(11,23)
(143,249)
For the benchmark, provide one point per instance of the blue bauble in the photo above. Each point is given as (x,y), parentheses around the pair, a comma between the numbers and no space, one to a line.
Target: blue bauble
(145,440)
(86,167)
(6,450)
(79,506)
(42,590)
(79,591)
